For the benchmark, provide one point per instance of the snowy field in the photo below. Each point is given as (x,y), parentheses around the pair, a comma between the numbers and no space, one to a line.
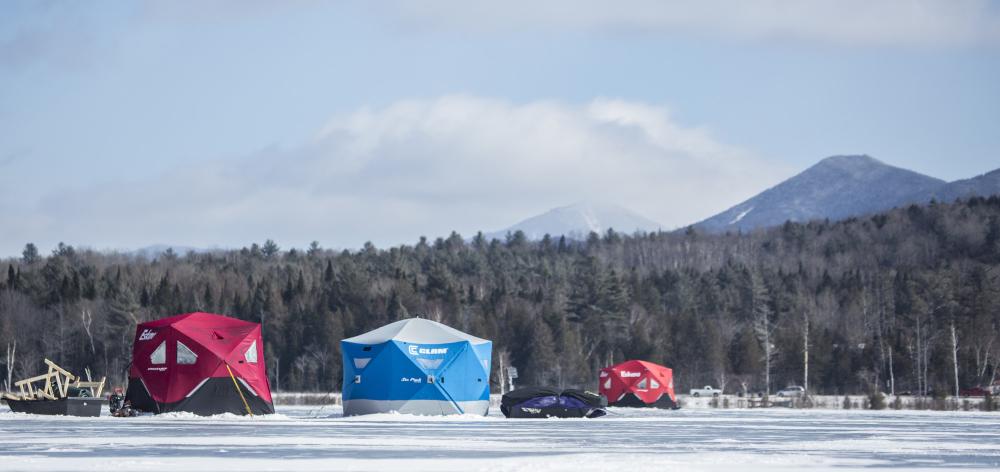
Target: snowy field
(304,438)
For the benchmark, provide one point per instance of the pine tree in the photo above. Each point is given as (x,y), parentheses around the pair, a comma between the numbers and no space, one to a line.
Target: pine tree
(541,357)
(314,249)
(328,273)
(162,297)
(479,241)
(208,299)
(517,240)
(583,303)
(30,254)
(395,309)
(614,306)
(300,285)
(269,249)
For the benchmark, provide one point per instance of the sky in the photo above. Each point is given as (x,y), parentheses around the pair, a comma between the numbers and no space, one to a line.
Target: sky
(221,123)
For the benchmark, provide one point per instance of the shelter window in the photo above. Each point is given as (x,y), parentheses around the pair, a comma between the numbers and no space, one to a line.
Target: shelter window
(361,362)
(642,384)
(251,354)
(159,355)
(607,383)
(654,384)
(185,356)
(429,363)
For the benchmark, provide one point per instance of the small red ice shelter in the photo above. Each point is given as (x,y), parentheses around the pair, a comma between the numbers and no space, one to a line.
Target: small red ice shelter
(200,363)
(638,384)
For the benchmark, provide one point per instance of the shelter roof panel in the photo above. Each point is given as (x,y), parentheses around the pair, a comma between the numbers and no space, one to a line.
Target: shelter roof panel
(416,331)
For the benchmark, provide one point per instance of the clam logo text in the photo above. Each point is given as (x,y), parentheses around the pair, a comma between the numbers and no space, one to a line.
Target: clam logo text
(426,351)
(147,334)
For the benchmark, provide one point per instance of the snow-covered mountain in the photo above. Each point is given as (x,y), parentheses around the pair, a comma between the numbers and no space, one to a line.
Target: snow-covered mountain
(578,220)
(835,188)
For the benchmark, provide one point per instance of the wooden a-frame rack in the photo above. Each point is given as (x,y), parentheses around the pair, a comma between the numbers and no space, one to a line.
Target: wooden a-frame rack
(57,382)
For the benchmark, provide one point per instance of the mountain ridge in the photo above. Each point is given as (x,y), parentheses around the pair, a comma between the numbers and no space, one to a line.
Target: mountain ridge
(843,186)
(981,185)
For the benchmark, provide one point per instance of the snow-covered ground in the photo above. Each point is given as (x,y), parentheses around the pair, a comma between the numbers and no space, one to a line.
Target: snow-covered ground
(303,438)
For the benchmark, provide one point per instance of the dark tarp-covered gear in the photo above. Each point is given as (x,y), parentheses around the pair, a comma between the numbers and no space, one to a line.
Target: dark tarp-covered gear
(540,402)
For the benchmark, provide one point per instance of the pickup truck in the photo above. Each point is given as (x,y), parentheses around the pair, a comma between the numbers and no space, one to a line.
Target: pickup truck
(706,391)
(793,391)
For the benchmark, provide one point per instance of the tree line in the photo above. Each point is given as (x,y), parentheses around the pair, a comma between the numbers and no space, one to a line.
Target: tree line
(903,301)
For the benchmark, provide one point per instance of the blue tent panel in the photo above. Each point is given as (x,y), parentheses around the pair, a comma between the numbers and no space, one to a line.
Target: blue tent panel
(389,373)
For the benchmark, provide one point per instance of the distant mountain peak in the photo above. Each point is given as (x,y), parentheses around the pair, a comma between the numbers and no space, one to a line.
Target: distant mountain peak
(593,207)
(577,220)
(852,163)
(850,160)
(861,167)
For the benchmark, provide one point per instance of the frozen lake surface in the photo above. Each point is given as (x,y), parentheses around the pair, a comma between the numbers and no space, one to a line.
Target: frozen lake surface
(308,438)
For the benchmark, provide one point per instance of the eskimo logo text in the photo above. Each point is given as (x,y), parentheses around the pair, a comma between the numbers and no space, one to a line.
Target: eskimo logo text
(426,351)
(626,373)
(147,334)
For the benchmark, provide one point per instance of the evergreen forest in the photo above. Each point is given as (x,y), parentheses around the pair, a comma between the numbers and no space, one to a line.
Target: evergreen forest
(903,301)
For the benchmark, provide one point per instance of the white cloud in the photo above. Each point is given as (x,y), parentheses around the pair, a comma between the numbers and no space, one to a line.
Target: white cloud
(883,22)
(416,167)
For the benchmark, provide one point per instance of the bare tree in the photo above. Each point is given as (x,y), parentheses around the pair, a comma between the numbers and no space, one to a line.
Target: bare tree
(87,319)
(954,352)
(805,349)
(883,299)
(762,325)
(9,363)
(503,358)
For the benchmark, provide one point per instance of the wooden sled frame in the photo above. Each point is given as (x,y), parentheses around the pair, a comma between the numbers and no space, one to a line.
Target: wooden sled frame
(56,377)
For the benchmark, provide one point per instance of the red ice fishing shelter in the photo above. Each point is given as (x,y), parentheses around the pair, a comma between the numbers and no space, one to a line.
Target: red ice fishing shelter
(638,384)
(200,363)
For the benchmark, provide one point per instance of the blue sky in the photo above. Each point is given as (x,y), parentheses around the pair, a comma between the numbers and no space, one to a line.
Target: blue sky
(222,123)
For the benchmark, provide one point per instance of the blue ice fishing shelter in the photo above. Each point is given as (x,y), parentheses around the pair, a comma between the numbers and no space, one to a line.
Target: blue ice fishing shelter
(416,366)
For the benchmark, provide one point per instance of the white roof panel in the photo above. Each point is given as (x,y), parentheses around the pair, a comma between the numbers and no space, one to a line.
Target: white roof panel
(416,331)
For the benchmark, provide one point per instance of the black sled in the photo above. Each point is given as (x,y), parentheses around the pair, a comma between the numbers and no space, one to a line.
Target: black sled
(533,402)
